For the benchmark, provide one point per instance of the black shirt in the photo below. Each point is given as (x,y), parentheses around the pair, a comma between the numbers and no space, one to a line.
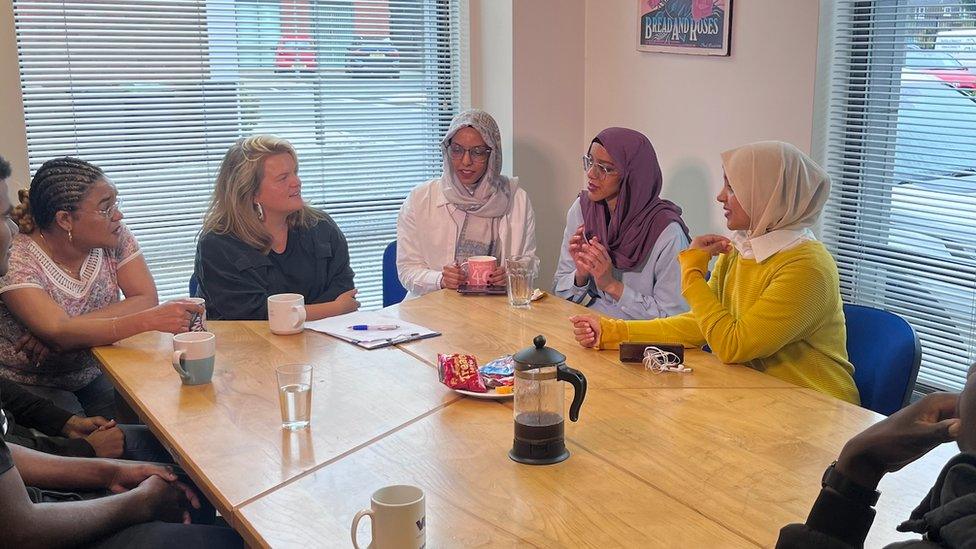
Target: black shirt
(6,462)
(236,279)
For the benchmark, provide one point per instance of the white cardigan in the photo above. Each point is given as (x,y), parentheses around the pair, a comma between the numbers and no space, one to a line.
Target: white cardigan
(426,235)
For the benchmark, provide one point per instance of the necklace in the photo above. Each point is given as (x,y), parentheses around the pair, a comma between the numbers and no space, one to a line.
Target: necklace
(74,273)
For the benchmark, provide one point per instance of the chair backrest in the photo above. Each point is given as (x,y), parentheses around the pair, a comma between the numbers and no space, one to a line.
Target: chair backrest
(194,284)
(393,291)
(886,353)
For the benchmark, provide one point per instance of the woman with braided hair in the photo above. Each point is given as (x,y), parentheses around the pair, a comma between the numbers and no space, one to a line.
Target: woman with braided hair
(60,295)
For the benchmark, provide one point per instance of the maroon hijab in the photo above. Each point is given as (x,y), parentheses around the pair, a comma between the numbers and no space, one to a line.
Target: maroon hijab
(641,214)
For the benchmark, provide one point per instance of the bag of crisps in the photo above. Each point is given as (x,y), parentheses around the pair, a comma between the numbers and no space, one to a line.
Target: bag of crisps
(459,371)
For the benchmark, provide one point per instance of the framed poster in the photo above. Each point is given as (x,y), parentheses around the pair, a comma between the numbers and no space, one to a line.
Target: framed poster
(699,27)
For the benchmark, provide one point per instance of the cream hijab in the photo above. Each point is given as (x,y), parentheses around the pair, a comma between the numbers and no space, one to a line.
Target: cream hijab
(777,185)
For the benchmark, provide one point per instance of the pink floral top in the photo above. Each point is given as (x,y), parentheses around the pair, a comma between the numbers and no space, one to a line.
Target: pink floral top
(30,267)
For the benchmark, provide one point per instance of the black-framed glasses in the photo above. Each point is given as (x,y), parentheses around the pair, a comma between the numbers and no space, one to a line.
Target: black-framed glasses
(602,170)
(109,213)
(478,155)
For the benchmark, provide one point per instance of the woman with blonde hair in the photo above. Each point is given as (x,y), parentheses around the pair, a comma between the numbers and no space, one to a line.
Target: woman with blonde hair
(60,295)
(773,300)
(260,238)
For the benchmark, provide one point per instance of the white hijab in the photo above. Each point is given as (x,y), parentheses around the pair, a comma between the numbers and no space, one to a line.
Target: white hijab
(777,185)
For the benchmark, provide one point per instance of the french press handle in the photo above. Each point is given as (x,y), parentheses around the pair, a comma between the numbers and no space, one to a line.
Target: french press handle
(576,378)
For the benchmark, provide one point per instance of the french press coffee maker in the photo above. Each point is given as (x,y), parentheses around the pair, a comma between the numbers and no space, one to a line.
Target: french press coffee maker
(539,400)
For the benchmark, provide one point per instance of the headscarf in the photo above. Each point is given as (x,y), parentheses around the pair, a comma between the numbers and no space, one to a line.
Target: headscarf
(641,214)
(491,197)
(777,185)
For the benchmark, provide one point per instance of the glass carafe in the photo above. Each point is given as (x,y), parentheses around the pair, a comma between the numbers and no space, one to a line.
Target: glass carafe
(539,401)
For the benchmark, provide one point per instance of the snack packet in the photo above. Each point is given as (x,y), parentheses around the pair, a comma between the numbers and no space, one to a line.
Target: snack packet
(499,372)
(460,371)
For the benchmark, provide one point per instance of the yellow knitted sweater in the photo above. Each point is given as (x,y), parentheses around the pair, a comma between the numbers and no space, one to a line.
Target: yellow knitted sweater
(783,316)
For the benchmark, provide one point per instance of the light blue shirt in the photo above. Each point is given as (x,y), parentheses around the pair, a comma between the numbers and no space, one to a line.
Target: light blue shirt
(653,291)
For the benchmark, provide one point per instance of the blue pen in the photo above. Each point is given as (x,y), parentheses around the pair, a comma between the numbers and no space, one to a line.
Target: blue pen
(360,327)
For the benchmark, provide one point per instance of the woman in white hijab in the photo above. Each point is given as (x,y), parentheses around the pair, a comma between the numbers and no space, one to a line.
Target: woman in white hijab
(773,299)
(471,210)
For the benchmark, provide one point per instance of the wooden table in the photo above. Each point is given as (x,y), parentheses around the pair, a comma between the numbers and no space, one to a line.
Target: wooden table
(723,456)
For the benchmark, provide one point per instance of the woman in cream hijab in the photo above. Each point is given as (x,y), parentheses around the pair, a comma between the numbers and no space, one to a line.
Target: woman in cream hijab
(773,299)
(471,210)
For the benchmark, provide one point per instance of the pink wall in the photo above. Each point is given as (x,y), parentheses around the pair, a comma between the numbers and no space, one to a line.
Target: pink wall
(694,107)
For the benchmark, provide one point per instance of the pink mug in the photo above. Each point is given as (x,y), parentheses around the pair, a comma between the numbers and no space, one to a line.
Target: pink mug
(477,269)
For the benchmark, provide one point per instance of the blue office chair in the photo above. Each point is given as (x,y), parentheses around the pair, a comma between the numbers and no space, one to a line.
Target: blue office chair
(393,291)
(194,284)
(885,352)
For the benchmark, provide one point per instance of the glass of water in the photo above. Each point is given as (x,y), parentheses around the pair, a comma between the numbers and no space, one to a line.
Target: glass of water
(295,395)
(521,271)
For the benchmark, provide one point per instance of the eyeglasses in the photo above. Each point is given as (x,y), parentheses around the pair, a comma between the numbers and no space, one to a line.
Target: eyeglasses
(109,213)
(602,170)
(478,155)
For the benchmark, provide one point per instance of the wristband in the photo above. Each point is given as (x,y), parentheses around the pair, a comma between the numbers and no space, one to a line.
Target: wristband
(837,481)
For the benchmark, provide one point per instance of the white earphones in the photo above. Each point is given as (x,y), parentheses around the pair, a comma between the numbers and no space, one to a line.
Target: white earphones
(658,360)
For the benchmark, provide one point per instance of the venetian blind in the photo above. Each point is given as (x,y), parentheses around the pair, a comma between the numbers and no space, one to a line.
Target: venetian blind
(901,149)
(155,91)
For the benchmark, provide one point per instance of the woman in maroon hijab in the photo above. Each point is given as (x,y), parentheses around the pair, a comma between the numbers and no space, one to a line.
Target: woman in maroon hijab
(621,243)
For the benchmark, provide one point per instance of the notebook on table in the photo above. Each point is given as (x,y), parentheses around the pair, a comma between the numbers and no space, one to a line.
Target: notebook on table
(367,335)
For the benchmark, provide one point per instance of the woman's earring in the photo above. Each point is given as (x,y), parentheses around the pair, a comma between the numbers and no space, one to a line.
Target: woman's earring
(260,211)
(70,237)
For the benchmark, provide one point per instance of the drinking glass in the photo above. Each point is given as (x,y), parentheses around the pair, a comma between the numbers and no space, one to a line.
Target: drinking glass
(521,271)
(295,395)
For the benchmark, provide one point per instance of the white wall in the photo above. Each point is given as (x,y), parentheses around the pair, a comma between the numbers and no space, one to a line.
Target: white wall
(549,103)
(694,107)
(13,137)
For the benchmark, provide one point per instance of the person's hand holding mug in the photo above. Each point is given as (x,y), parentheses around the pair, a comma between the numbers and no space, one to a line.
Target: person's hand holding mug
(714,244)
(452,276)
(173,316)
(497,277)
(586,329)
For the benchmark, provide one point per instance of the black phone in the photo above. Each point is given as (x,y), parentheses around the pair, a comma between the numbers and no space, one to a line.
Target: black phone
(634,351)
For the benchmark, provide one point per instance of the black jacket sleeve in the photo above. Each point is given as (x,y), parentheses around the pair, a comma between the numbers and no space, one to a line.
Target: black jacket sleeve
(59,446)
(339,275)
(31,410)
(231,278)
(835,522)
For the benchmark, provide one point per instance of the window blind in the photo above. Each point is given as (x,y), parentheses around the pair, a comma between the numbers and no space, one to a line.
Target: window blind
(901,149)
(155,91)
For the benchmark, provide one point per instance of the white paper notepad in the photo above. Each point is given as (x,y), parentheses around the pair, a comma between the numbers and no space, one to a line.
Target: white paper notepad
(339,326)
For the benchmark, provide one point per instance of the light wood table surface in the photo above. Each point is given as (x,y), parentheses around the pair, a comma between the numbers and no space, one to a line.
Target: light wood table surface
(228,434)
(723,457)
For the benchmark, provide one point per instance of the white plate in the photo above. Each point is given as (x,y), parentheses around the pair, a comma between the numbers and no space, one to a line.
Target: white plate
(490,395)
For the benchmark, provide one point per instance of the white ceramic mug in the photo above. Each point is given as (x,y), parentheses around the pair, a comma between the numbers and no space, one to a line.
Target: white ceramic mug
(193,356)
(286,313)
(398,518)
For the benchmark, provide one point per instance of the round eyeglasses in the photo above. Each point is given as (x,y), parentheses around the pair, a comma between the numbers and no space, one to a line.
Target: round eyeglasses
(478,155)
(109,213)
(602,170)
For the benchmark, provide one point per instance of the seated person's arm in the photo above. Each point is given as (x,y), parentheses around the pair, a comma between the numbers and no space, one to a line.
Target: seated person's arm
(151,493)
(48,321)
(415,275)
(340,296)
(33,411)
(782,314)
(841,520)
